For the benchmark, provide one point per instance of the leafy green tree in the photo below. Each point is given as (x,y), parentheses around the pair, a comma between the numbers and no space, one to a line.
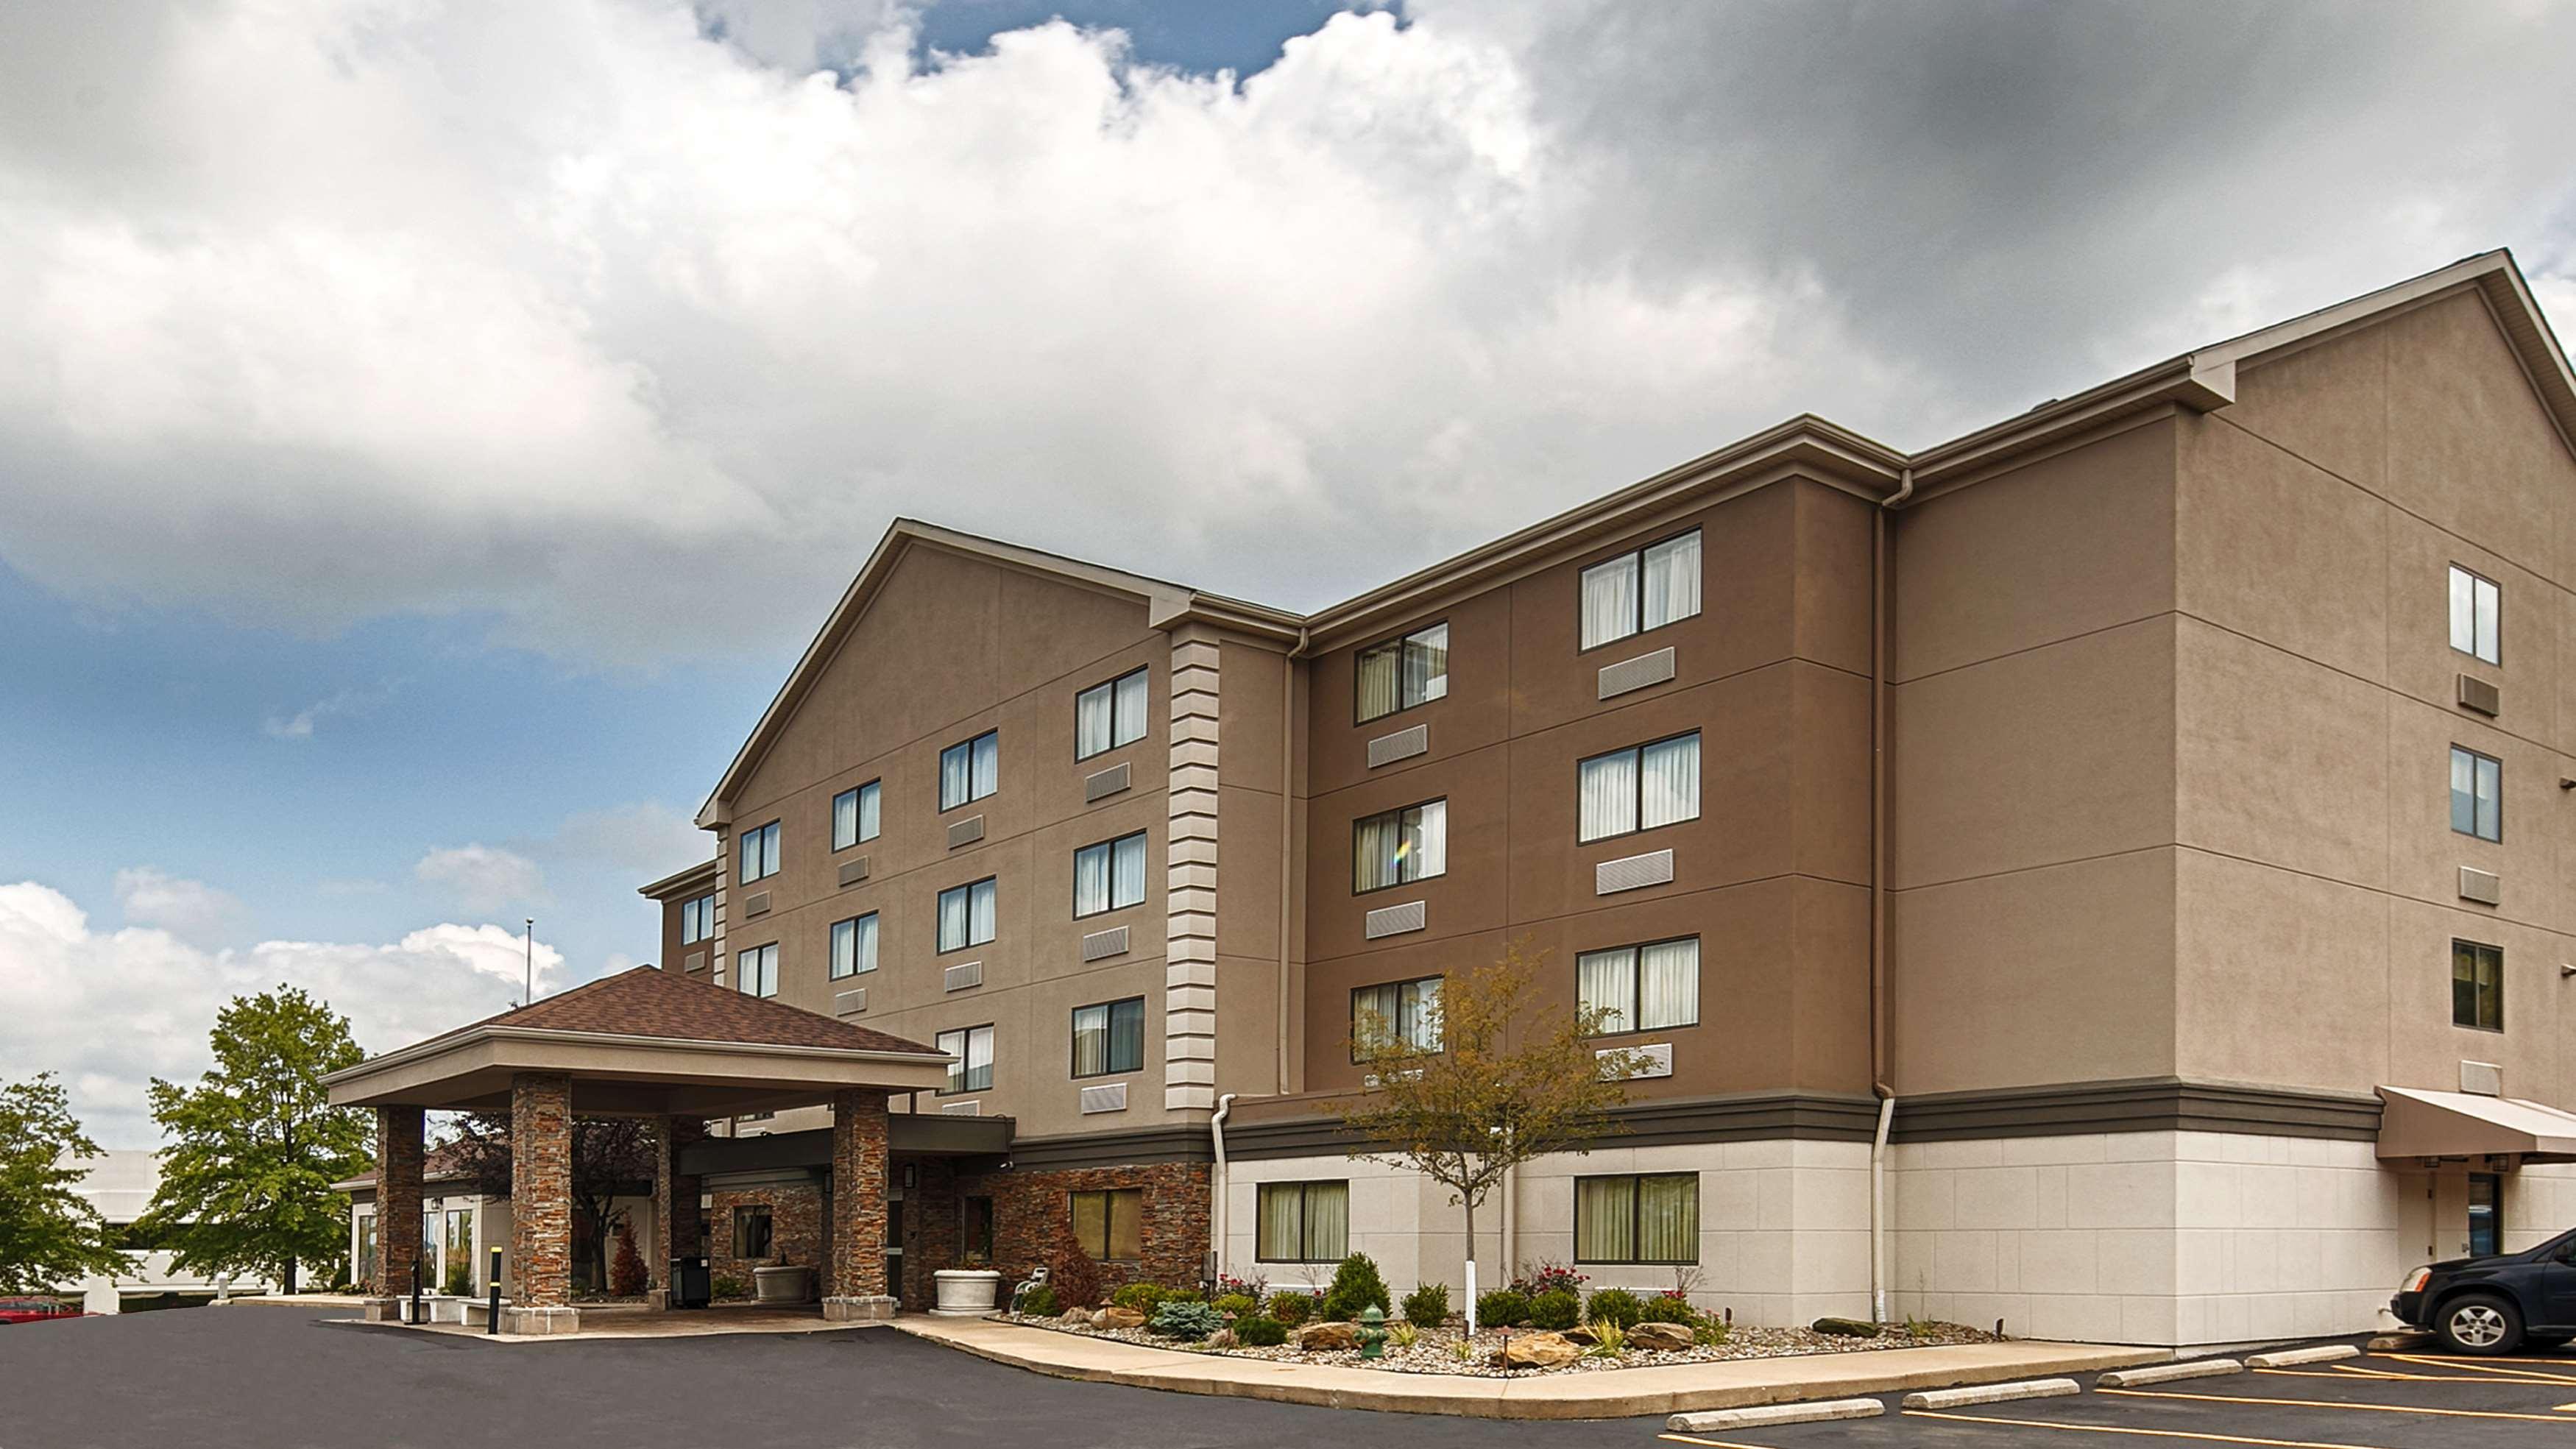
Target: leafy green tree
(49,1234)
(255,1145)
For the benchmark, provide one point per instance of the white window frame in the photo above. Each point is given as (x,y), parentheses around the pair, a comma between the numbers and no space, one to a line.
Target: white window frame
(867,803)
(991,888)
(1586,831)
(1424,819)
(1631,1019)
(1404,647)
(757,851)
(983,755)
(966,1043)
(1128,711)
(861,938)
(1638,617)
(1111,898)
(755,970)
(2477,615)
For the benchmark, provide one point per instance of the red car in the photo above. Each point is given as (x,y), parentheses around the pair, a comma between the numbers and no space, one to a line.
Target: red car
(35,1310)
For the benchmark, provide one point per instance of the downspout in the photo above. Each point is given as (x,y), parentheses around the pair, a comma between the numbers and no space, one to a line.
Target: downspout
(1216,1187)
(1287,843)
(1511,1219)
(1881,611)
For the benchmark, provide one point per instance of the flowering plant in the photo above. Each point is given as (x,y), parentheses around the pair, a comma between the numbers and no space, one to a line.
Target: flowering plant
(1550,1278)
(1254,1288)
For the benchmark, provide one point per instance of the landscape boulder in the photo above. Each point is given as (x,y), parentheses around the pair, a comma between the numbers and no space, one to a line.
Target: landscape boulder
(1116,1318)
(1661,1337)
(1316,1337)
(1845,1327)
(1536,1350)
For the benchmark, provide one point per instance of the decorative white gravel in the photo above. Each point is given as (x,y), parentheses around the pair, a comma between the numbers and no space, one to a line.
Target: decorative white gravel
(1431,1352)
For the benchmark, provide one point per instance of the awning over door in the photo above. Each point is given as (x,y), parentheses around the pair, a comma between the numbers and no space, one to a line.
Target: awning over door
(2416,1123)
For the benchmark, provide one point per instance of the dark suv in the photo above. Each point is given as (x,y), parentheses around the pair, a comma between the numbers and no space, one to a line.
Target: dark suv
(2495,1304)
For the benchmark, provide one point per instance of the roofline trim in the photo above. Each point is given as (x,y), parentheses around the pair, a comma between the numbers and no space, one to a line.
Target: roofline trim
(477,1035)
(671,883)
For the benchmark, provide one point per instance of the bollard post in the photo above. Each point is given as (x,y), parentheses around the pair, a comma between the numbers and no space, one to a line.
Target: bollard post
(415,1290)
(492,1321)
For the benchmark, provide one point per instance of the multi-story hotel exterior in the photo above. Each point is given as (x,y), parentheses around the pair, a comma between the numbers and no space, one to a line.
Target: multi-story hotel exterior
(2107,873)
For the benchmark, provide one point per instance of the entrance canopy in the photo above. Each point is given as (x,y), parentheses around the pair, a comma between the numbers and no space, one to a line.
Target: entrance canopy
(2416,1124)
(646,1042)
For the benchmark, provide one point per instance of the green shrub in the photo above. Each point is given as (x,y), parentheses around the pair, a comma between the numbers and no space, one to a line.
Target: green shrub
(1710,1332)
(1259,1332)
(1237,1305)
(1609,1340)
(1427,1305)
(1143,1297)
(1186,1319)
(1615,1306)
(460,1281)
(1183,1295)
(1039,1302)
(725,1288)
(1356,1286)
(1502,1308)
(1402,1335)
(1557,1310)
(1669,1308)
(1291,1308)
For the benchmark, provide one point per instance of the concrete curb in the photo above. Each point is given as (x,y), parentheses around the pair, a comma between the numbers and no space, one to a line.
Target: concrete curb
(2165,1373)
(1992,1394)
(1615,1394)
(1770,1415)
(2398,1342)
(2324,1353)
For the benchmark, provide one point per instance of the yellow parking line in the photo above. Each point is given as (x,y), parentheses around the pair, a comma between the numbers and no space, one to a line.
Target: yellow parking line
(2122,1429)
(2327,1404)
(2376,1376)
(2482,1367)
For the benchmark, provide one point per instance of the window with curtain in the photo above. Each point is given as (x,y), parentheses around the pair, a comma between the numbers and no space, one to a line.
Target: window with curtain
(1646,1218)
(854,946)
(1641,988)
(1395,1019)
(2477,608)
(755,972)
(1109,715)
(966,915)
(2477,794)
(1403,672)
(1109,1038)
(751,1236)
(2477,985)
(759,852)
(970,770)
(972,1046)
(697,920)
(1398,846)
(1639,788)
(1110,1226)
(1302,1222)
(1643,590)
(854,816)
(1109,876)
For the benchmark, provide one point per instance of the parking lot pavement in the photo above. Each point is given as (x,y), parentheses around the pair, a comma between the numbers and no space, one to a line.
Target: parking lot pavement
(2390,1400)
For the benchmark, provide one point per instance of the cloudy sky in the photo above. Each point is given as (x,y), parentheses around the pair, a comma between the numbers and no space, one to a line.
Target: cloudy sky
(428,431)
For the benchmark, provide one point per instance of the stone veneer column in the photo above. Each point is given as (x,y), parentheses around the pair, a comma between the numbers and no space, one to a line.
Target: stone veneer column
(1189,897)
(540,1205)
(857,1286)
(398,1192)
(675,1203)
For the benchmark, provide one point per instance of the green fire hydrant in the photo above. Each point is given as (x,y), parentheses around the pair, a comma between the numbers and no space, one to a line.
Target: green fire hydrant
(1372,1332)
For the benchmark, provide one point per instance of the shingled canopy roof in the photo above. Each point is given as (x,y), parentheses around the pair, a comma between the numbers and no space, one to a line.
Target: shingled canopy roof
(646,1041)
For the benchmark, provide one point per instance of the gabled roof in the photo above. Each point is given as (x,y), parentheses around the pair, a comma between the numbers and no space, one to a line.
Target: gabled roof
(681,882)
(648,1001)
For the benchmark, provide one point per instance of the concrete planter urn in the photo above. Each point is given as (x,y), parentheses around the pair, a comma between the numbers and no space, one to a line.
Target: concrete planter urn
(782,1285)
(964,1292)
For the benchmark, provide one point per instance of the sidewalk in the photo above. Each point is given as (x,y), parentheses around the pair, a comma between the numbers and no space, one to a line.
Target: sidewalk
(1606,1394)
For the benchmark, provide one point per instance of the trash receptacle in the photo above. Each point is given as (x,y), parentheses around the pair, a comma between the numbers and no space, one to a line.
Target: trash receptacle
(689,1286)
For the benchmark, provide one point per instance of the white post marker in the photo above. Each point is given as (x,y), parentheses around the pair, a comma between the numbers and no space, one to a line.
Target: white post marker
(1471,1298)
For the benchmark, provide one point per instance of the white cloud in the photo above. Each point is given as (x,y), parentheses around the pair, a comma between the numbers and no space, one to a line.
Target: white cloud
(483,878)
(189,909)
(111,1010)
(555,313)
(299,726)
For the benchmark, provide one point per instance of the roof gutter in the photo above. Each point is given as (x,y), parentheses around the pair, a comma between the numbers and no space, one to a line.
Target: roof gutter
(1881,1028)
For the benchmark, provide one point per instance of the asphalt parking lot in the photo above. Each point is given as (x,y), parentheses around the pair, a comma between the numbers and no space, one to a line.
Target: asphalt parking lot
(2381,1400)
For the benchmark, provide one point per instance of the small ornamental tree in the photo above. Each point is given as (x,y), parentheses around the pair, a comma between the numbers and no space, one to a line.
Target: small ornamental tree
(256,1144)
(1489,1077)
(49,1233)
(626,1275)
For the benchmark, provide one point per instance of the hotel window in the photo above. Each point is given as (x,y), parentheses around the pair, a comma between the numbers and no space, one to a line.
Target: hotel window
(2477,794)
(759,850)
(1643,590)
(1629,790)
(365,1268)
(854,816)
(697,920)
(1110,1226)
(1109,1038)
(2477,985)
(1106,716)
(1395,1019)
(755,972)
(1645,1219)
(966,915)
(1109,876)
(1302,1222)
(976,1230)
(1402,673)
(1640,988)
(854,946)
(973,1070)
(2477,609)
(970,771)
(1398,846)
(751,1231)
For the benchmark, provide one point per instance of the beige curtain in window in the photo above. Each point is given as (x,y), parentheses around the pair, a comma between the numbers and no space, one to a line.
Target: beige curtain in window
(1328,1221)
(1127,1223)
(1280,1222)
(1091,1223)
(1380,670)
(1668,1218)
(1605,1219)
(1668,984)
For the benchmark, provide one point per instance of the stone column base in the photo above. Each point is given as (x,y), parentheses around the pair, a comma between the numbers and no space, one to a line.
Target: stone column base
(541,1320)
(382,1310)
(875,1309)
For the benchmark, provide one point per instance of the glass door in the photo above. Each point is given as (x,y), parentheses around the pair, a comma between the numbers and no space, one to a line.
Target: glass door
(2486,1214)
(894,1250)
